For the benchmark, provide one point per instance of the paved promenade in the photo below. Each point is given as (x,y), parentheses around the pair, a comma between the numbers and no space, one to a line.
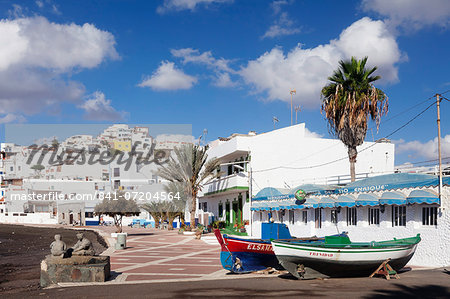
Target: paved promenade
(155,255)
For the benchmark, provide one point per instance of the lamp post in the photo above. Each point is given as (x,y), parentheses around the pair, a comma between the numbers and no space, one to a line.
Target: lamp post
(275,120)
(292,94)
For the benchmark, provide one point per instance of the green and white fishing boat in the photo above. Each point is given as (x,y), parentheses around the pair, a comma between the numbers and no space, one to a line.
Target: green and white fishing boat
(339,257)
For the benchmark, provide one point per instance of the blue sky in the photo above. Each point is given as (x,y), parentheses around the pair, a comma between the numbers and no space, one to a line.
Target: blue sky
(226,66)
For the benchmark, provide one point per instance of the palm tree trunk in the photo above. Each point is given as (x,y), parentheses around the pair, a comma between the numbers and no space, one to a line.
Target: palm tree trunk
(193,208)
(352,153)
(118,223)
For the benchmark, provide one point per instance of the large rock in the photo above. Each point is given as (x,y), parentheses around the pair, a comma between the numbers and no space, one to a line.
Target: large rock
(74,269)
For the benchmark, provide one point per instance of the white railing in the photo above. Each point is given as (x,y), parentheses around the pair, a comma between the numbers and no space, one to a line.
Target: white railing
(234,180)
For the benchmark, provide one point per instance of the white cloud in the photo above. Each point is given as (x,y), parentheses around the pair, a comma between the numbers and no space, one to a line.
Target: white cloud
(220,66)
(411,14)
(307,69)
(10,117)
(190,55)
(37,56)
(98,108)
(311,134)
(39,3)
(283,25)
(428,150)
(224,80)
(178,5)
(36,42)
(168,77)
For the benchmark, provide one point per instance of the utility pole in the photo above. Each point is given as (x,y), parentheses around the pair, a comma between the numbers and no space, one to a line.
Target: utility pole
(250,196)
(292,94)
(297,109)
(438,102)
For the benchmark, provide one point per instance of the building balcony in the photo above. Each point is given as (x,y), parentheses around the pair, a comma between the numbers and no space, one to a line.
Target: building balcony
(227,184)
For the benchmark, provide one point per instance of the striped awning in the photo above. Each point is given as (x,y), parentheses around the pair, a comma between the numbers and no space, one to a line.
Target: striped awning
(311,202)
(393,198)
(367,199)
(346,201)
(422,196)
(327,202)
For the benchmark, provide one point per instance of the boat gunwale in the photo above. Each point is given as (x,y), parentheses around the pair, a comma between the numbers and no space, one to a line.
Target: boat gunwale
(301,240)
(394,243)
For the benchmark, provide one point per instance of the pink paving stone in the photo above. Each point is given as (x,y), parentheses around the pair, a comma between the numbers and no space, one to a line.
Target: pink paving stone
(135,260)
(188,261)
(156,277)
(165,269)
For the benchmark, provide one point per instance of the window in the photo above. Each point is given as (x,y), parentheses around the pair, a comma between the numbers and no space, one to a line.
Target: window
(280,216)
(89,214)
(318,217)
(291,217)
(429,216)
(220,210)
(260,216)
(398,215)
(334,217)
(374,216)
(116,171)
(230,169)
(351,216)
(116,184)
(305,217)
(205,207)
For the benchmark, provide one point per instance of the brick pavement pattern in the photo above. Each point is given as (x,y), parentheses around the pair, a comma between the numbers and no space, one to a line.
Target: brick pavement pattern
(153,255)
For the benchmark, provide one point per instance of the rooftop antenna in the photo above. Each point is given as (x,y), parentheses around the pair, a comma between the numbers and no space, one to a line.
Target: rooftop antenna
(275,120)
(297,109)
(292,92)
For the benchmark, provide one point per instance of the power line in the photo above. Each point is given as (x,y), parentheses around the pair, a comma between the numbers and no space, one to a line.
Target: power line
(343,158)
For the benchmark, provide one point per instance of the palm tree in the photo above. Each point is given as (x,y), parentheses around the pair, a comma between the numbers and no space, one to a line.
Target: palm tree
(178,188)
(190,166)
(348,100)
(153,208)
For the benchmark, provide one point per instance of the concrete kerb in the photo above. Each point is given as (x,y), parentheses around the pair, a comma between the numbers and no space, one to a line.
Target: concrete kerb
(221,274)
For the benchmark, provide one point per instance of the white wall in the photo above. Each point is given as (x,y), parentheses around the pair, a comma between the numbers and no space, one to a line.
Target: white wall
(432,251)
(32,218)
(284,149)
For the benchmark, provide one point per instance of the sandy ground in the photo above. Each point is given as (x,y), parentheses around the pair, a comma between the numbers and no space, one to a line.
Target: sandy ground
(23,247)
(412,284)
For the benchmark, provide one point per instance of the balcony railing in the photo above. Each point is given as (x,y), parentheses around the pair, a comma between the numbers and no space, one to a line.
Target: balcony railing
(237,181)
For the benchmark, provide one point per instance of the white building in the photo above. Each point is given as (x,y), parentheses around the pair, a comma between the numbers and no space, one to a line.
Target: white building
(285,158)
(379,208)
(79,182)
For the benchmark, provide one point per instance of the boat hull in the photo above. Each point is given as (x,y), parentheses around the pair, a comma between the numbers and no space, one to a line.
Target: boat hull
(244,256)
(341,262)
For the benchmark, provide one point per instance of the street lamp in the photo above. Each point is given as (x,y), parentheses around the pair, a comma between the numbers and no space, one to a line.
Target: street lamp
(292,94)
(275,120)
